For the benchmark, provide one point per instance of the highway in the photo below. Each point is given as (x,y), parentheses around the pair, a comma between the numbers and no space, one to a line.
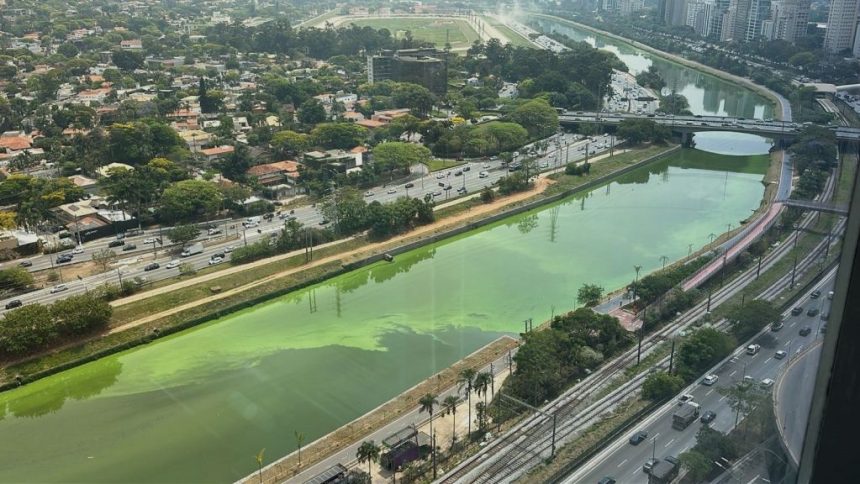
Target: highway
(623,461)
(793,399)
(130,264)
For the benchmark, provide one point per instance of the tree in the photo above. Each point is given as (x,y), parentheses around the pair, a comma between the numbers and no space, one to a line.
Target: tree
(127,60)
(661,385)
(742,397)
(651,78)
(75,315)
(68,50)
(750,318)
(368,452)
(347,209)
(426,404)
(589,295)
(187,269)
(311,112)
(15,278)
(26,328)
(182,234)
(416,98)
(104,258)
(698,466)
(483,380)
(395,155)
(338,135)
(537,116)
(702,350)
(450,404)
(466,379)
(300,438)
(259,459)
(289,143)
(713,444)
(675,104)
(189,200)
(636,131)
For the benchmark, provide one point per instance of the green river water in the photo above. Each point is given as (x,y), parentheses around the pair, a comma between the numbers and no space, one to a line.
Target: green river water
(196,407)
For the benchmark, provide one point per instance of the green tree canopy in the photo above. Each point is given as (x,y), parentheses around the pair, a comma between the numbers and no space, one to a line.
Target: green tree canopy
(702,350)
(661,385)
(396,155)
(290,143)
(750,318)
(182,234)
(537,116)
(189,200)
(338,135)
(589,295)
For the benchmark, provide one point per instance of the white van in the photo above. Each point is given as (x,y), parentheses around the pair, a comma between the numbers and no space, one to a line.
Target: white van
(483,174)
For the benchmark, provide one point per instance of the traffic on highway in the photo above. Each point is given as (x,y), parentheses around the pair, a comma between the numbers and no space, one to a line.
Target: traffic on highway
(147,256)
(668,432)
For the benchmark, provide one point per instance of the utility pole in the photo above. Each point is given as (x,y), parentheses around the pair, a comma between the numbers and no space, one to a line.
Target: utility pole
(639,348)
(758,270)
(672,356)
(709,299)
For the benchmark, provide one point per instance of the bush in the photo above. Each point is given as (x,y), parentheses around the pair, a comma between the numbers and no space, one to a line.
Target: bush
(488,195)
(578,170)
(661,385)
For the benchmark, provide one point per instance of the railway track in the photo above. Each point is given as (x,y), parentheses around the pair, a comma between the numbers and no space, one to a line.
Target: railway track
(530,442)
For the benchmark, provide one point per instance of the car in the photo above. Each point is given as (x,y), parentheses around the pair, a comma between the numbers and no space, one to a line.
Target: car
(447,188)
(213,231)
(638,437)
(215,260)
(544,164)
(391,191)
(708,416)
(25,263)
(797,311)
(462,190)
(440,176)
(441,184)
(830,295)
(229,248)
(78,250)
(815,294)
(63,258)
(409,185)
(825,316)
(483,174)
(323,222)
(458,173)
(250,225)
(776,325)
(710,380)
(59,288)
(812,312)
(172,264)
(129,247)
(485,166)
(780,355)
(823,329)
(116,243)
(685,398)
(151,240)
(753,349)
(437,194)
(467,168)
(368,194)
(805,331)
(767,383)
(649,464)
(152,267)
(607,480)
(15,303)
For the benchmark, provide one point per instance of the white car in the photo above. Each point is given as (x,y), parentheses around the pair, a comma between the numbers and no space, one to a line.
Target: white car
(215,260)
(59,288)
(251,225)
(485,166)
(172,264)
(392,191)
(368,194)
(229,249)
(149,240)
(78,250)
(483,174)
(685,398)
(710,380)
(766,383)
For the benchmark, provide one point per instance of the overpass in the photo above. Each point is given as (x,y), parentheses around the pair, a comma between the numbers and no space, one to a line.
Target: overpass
(816,206)
(687,124)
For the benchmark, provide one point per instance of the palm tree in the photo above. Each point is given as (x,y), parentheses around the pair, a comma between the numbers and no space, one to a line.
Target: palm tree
(482,384)
(259,458)
(368,452)
(664,259)
(300,438)
(427,402)
(467,379)
(450,404)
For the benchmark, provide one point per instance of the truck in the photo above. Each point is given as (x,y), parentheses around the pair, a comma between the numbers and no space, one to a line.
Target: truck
(663,472)
(193,249)
(685,415)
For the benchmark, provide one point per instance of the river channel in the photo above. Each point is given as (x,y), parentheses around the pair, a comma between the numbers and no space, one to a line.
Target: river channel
(707,94)
(197,406)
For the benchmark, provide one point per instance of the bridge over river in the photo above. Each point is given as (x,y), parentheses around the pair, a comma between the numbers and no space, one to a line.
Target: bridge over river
(774,129)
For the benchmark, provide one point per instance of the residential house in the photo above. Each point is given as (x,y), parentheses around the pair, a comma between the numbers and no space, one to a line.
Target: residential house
(134,44)
(216,153)
(340,160)
(87,184)
(195,139)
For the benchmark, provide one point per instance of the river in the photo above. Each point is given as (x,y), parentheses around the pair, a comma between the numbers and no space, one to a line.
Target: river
(707,94)
(197,406)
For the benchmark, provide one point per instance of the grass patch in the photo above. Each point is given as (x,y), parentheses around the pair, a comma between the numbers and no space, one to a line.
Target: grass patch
(514,38)
(604,167)
(437,164)
(457,32)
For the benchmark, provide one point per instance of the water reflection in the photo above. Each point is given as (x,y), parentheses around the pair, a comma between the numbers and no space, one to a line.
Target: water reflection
(706,94)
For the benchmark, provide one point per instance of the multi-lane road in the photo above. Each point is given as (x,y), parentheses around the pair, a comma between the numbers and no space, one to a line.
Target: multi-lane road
(562,148)
(623,461)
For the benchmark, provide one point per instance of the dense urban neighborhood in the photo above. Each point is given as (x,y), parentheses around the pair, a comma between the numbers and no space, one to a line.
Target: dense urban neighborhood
(591,241)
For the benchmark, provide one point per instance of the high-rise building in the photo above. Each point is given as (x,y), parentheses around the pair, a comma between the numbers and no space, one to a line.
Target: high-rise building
(841,25)
(790,18)
(699,13)
(675,12)
(426,67)
(739,14)
(717,17)
(759,12)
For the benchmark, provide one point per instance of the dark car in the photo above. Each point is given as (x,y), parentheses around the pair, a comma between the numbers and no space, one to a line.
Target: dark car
(607,480)
(441,184)
(25,263)
(61,259)
(152,267)
(15,303)
(638,437)
(825,316)
(129,247)
(467,168)
(804,331)
(409,185)
(815,294)
(812,312)
(708,416)
(797,311)
(323,222)
(458,173)
(116,243)
(776,325)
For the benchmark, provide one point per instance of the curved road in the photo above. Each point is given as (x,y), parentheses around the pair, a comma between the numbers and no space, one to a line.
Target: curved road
(793,399)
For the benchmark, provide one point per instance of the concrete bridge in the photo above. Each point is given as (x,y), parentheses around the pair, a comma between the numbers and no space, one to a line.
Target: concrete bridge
(689,124)
(817,206)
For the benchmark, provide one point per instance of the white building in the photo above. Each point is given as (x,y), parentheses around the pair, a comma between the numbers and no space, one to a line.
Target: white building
(841,25)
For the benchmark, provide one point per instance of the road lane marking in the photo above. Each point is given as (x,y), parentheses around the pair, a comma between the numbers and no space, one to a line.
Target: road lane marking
(669,443)
(709,392)
(733,373)
(722,398)
(787,343)
(635,472)
(767,360)
(622,463)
